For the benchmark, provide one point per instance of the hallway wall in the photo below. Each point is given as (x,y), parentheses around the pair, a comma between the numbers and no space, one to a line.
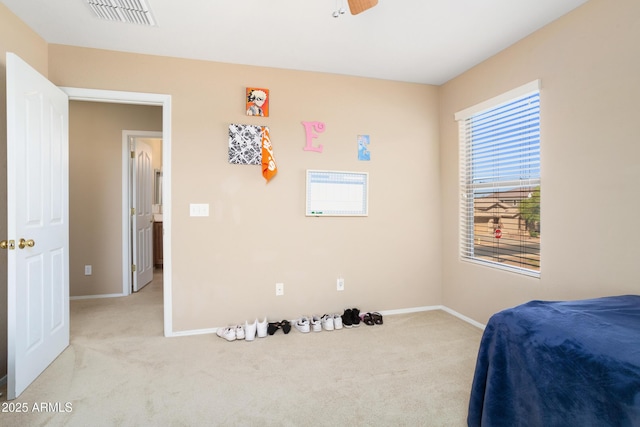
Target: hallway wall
(95,190)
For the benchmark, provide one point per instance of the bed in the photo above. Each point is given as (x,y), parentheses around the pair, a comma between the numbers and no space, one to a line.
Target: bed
(560,363)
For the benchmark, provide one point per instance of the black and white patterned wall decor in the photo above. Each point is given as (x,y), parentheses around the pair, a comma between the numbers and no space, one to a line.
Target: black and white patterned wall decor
(245,145)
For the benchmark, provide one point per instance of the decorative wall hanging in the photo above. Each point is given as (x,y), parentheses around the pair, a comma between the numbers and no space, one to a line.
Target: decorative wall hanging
(309,128)
(257,102)
(363,148)
(269,168)
(251,145)
(245,144)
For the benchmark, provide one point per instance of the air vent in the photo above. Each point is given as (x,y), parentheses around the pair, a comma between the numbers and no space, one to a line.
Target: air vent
(131,11)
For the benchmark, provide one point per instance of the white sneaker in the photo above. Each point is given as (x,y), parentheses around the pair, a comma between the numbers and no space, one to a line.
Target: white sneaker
(316,324)
(239,332)
(327,322)
(250,330)
(337,321)
(228,333)
(302,324)
(262,328)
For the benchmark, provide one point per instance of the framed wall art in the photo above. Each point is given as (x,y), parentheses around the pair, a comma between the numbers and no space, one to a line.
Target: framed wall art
(257,102)
(363,148)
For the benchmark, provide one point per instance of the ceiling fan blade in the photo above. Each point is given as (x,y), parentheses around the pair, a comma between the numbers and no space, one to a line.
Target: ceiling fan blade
(357,6)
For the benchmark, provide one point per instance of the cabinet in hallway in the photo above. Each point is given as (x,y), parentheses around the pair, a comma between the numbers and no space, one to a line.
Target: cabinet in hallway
(157,244)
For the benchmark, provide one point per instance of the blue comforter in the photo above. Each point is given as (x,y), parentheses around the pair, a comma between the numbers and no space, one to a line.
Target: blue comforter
(573,363)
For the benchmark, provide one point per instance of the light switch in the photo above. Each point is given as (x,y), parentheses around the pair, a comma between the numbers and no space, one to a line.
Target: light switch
(199,209)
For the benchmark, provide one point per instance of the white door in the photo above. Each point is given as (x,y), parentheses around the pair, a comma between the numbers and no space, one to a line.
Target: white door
(143,214)
(37,223)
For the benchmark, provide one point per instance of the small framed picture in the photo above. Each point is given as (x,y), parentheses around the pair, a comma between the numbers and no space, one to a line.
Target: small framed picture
(257,102)
(363,148)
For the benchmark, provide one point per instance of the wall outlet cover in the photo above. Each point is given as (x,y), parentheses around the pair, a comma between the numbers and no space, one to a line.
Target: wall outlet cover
(199,209)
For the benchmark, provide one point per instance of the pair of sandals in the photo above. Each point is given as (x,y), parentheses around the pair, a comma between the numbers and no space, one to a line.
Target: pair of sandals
(371,319)
(274,326)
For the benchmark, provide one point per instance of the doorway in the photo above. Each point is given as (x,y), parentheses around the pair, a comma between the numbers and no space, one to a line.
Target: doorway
(135,98)
(38,275)
(142,207)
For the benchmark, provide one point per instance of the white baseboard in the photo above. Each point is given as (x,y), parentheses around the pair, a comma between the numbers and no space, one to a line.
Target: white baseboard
(410,310)
(463,317)
(435,307)
(97,296)
(193,332)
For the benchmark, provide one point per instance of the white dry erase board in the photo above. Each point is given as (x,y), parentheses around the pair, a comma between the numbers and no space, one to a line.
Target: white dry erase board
(337,193)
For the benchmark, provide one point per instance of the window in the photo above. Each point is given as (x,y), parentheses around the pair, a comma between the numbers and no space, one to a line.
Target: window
(500,181)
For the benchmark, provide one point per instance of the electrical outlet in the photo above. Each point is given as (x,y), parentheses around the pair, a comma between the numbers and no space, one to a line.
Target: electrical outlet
(279,289)
(340,284)
(87,270)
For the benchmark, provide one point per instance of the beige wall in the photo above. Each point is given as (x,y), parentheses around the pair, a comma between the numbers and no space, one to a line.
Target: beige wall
(589,66)
(95,190)
(225,266)
(15,37)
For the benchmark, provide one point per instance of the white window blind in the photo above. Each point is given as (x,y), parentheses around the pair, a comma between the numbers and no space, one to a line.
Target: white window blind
(500,181)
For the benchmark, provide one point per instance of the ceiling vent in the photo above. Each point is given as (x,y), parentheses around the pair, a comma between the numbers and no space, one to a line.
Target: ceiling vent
(131,11)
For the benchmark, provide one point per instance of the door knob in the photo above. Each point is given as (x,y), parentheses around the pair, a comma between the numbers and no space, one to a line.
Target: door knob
(31,243)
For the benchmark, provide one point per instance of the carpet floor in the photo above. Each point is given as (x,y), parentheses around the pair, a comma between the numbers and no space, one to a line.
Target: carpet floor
(414,370)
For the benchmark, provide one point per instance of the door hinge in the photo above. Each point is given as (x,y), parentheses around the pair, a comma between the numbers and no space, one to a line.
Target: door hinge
(133,154)
(133,268)
(133,211)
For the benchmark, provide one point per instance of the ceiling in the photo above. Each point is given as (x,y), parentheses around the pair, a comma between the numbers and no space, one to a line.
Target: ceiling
(421,41)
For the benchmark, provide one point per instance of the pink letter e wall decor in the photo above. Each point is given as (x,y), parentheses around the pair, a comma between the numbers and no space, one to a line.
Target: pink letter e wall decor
(309,128)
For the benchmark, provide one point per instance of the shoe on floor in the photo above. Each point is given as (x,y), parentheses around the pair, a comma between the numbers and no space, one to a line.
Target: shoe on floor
(228,333)
(239,332)
(273,327)
(262,328)
(302,324)
(377,318)
(286,326)
(347,317)
(367,319)
(316,324)
(250,330)
(337,321)
(355,317)
(327,322)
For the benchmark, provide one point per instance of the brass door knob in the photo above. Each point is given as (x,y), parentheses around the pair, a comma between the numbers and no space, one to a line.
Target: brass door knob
(4,244)
(23,243)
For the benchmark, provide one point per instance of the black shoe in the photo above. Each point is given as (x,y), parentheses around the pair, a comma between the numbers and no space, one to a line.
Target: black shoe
(286,326)
(355,317)
(273,327)
(347,317)
(377,318)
